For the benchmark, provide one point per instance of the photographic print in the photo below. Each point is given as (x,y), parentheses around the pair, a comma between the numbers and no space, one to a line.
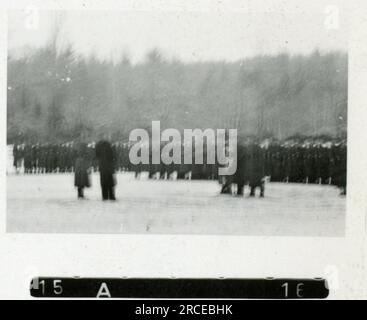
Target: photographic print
(177,122)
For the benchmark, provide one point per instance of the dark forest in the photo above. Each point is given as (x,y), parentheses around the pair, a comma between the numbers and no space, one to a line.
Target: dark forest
(54,94)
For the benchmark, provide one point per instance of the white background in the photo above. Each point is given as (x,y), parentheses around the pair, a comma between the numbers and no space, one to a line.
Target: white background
(342,260)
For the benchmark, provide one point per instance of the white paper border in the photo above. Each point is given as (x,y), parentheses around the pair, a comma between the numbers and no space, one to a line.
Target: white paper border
(342,260)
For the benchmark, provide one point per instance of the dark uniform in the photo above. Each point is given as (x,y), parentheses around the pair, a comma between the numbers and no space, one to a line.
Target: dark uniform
(340,167)
(82,165)
(276,163)
(239,176)
(254,171)
(16,157)
(106,159)
(42,159)
(27,159)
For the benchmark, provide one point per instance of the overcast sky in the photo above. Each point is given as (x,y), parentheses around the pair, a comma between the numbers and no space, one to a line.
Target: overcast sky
(187,35)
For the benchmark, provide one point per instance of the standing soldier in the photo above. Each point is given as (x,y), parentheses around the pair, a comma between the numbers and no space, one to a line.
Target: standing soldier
(239,176)
(292,162)
(255,169)
(91,156)
(34,152)
(42,159)
(71,156)
(15,157)
(106,159)
(125,156)
(62,157)
(307,162)
(318,160)
(54,158)
(276,160)
(313,163)
(287,163)
(300,168)
(27,159)
(48,157)
(82,165)
(326,163)
(340,173)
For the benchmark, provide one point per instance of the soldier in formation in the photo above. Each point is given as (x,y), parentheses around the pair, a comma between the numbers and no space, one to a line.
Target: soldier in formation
(309,161)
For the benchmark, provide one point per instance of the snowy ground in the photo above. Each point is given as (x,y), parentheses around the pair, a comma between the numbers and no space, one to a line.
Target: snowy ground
(48,204)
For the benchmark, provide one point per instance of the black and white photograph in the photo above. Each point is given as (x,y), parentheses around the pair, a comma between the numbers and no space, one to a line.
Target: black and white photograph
(187,122)
(183,149)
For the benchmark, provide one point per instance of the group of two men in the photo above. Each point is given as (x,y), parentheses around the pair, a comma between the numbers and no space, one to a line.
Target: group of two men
(250,169)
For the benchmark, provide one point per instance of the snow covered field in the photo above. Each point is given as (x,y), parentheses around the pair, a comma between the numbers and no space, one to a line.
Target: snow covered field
(48,204)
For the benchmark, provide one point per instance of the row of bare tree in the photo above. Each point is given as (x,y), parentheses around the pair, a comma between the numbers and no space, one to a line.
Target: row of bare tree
(53,94)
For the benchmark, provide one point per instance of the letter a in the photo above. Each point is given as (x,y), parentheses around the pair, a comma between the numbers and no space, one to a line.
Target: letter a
(138,310)
(103,291)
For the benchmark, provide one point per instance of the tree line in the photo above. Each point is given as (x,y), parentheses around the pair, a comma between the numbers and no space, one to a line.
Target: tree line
(55,94)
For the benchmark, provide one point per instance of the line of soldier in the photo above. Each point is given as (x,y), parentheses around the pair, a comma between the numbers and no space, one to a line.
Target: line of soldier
(294,162)
(290,162)
(46,158)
